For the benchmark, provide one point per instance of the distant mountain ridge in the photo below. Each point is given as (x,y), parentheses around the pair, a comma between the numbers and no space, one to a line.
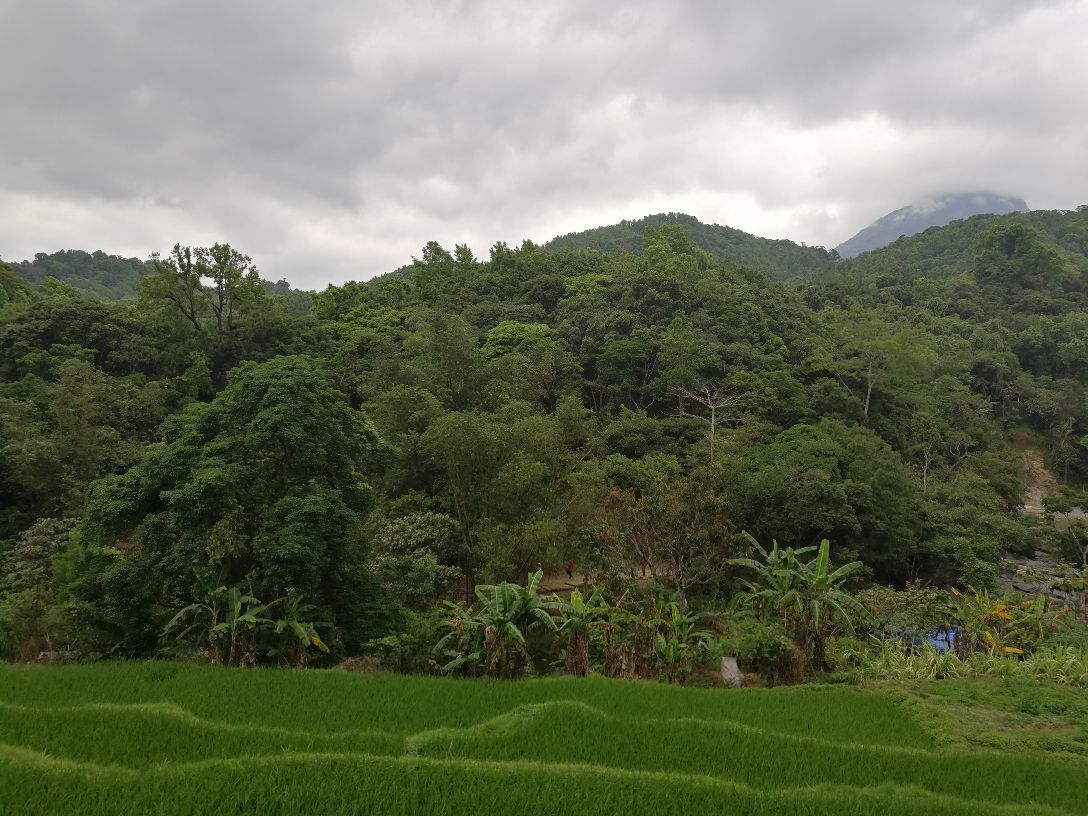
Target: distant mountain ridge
(922,215)
(779,259)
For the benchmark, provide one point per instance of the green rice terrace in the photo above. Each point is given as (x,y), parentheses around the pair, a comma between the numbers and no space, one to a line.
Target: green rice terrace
(158,737)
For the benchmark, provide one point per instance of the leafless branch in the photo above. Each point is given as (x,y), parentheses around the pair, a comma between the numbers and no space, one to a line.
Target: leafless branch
(715,399)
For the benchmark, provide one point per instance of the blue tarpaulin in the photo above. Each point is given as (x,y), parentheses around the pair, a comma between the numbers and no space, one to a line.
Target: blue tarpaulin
(943,639)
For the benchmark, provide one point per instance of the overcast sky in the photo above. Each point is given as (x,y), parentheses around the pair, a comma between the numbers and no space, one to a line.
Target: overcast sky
(331,140)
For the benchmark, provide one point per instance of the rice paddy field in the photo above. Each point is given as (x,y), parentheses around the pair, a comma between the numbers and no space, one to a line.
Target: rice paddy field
(173,738)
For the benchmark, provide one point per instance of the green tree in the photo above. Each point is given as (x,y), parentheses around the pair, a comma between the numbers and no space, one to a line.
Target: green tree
(1066,507)
(72,427)
(177,281)
(233,282)
(31,620)
(831,479)
(227,311)
(415,556)
(1013,258)
(683,522)
(500,478)
(877,355)
(267,483)
(15,292)
(531,361)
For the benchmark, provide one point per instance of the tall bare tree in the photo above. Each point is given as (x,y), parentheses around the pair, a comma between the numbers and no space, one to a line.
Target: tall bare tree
(719,403)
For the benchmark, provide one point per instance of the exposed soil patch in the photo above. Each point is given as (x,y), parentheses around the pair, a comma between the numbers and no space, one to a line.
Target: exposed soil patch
(1068,728)
(1038,479)
(559,583)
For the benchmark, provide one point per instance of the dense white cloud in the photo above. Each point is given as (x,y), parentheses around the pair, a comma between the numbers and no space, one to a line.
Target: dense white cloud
(331,140)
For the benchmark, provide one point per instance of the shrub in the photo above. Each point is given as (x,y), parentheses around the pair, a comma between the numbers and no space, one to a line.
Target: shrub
(408,650)
(764,648)
(913,611)
(847,654)
(896,660)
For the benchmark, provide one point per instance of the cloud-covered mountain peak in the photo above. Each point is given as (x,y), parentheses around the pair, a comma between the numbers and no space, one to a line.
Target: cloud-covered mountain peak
(930,212)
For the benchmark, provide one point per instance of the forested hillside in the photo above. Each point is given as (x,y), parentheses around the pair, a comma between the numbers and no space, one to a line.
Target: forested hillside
(108,277)
(943,252)
(406,440)
(777,259)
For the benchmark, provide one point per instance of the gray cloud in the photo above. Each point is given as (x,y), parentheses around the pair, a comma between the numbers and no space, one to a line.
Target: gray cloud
(331,140)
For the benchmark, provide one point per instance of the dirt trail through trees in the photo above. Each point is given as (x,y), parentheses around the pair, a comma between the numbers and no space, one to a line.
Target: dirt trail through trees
(559,583)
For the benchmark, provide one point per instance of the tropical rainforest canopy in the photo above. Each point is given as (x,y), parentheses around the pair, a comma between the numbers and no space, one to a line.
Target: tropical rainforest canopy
(377,446)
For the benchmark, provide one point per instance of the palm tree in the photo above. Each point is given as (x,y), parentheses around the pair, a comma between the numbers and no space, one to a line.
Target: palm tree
(807,595)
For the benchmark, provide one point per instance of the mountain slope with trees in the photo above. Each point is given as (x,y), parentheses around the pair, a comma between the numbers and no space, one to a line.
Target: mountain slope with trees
(111,277)
(944,252)
(916,218)
(777,259)
(108,277)
(408,439)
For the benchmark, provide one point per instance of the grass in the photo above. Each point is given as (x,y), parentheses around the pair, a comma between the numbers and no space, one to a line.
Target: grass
(145,734)
(173,738)
(754,757)
(330,701)
(1004,715)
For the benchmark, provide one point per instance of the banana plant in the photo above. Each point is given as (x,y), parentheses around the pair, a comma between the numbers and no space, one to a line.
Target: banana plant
(984,623)
(226,620)
(236,627)
(462,646)
(677,643)
(1001,626)
(291,635)
(492,640)
(808,596)
(1036,618)
(615,635)
(576,621)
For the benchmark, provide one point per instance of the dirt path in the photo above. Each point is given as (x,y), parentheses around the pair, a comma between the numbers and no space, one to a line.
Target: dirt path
(559,583)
